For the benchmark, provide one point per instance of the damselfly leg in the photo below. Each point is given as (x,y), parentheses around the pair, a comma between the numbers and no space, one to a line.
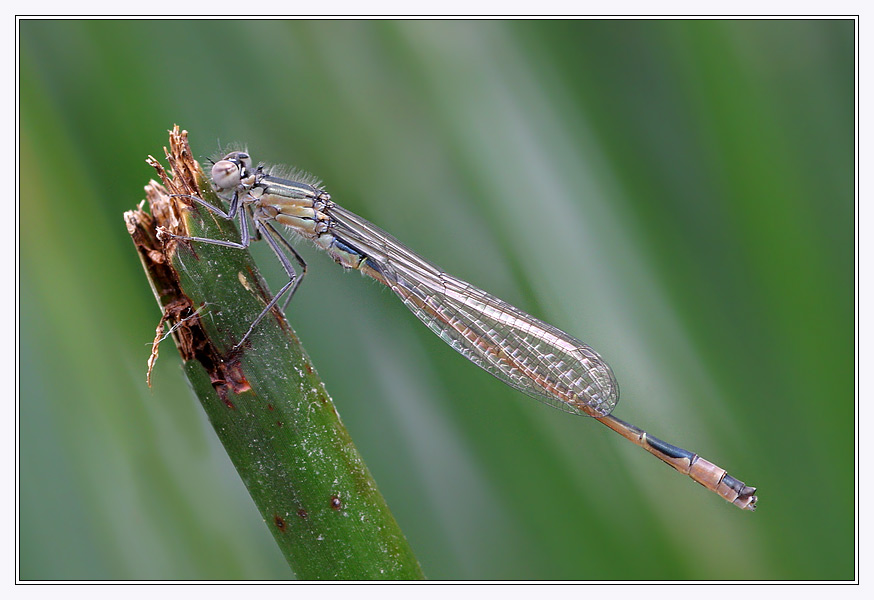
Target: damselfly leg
(264,229)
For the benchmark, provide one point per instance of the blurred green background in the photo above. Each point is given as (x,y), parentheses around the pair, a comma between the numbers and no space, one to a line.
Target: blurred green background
(678,194)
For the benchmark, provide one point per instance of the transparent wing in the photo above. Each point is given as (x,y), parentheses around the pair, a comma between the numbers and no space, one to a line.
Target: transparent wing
(524,352)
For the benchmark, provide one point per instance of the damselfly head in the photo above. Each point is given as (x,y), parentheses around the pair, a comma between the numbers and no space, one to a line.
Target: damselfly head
(230,171)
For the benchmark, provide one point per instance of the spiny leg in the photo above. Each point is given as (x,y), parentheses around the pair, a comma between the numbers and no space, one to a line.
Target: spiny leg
(270,234)
(284,260)
(232,210)
(245,238)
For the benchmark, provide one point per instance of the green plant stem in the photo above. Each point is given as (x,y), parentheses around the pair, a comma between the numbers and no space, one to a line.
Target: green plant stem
(266,402)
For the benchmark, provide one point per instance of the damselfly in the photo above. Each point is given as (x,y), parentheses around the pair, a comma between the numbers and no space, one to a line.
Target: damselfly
(524,352)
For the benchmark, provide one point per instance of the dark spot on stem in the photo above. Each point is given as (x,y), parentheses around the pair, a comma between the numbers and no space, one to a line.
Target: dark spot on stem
(302,513)
(336,503)
(279,522)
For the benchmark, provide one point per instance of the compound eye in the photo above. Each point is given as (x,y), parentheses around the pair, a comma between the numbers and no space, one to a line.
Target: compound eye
(225,174)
